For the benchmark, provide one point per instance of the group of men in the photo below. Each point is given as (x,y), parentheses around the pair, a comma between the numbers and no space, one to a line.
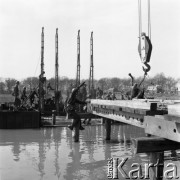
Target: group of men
(136,91)
(21,99)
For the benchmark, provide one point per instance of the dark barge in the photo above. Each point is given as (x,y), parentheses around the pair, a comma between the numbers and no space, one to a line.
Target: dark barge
(10,119)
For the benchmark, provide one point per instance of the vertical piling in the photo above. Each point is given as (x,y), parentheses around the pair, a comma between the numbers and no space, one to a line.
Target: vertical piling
(108,128)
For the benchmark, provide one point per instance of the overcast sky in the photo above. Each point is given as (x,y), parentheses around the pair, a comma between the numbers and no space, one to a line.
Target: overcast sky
(115,27)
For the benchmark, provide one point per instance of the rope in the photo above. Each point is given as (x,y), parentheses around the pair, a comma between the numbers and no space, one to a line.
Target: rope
(140,18)
(38,62)
(149,20)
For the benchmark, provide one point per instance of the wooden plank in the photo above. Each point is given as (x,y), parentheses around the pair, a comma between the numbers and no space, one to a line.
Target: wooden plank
(162,128)
(125,103)
(153,144)
(174,110)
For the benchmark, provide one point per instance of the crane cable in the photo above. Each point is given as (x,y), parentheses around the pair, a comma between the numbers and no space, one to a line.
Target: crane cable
(149,20)
(140,18)
(140,30)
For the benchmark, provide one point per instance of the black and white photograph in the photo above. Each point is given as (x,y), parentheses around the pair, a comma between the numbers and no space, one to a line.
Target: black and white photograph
(89,89)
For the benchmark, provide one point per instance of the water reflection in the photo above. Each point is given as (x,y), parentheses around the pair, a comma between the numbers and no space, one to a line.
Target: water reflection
(51,153)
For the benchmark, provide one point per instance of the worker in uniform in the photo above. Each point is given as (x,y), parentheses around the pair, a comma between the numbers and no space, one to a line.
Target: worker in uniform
(99,93)
(17,101)
(71,107)
(23,95)
(32,96)
(137,92)
(113,96)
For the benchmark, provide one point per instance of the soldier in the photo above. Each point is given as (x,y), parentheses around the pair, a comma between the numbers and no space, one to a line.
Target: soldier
(23,95)
(49,87)
(70,107)
(32,95)
(136,91)
(17,101)
(99,93)
(113,96)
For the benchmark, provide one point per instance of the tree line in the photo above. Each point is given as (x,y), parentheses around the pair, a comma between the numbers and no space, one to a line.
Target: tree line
(65,83)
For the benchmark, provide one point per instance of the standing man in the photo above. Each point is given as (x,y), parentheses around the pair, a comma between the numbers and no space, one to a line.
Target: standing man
(70,107)
(23,95)
(32,95)
(17,101)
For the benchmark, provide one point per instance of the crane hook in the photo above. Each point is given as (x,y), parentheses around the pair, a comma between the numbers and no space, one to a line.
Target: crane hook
(146,67)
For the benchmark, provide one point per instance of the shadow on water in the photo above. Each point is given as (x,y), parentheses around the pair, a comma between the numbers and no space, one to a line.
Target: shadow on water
(52,154)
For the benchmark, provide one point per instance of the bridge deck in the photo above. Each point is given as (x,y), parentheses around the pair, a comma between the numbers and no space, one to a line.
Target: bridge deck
(142,113)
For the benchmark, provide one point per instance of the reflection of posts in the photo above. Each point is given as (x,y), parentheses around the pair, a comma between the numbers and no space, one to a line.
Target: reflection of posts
(16,150)
(76,133)
(127,133)
(121,136)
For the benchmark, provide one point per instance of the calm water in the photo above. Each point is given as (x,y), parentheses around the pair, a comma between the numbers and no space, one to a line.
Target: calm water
(50,153)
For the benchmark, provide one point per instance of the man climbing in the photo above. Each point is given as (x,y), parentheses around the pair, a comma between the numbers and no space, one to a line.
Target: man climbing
(136,91)
(70,107)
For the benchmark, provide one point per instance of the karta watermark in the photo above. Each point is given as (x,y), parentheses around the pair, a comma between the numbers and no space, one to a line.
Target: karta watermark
(115,167)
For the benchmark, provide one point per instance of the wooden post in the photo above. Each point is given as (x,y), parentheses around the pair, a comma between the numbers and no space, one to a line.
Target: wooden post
(154,147)
(154,144)
(108,128)
(76,132)
(54,117)
(157,161)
